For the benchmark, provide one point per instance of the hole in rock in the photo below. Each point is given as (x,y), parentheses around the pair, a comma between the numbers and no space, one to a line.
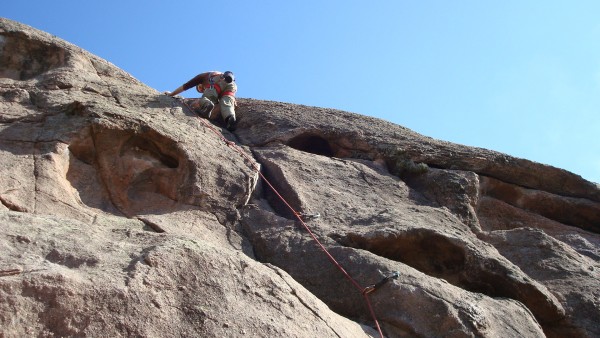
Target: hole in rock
(313,144)
(148,148)
(22,58)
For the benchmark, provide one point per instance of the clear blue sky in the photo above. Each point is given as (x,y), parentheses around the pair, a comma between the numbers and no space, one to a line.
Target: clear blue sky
(520,77)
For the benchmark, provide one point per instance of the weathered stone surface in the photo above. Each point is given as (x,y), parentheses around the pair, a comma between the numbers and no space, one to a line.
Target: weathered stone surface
(455,189)
(552,206)
(75,279)
(366,208)
(123,214)
(352,135)
(569,275)
(497,215)
(405,306)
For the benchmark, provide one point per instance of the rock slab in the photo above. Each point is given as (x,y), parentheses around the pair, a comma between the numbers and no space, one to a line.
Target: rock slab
(124,214)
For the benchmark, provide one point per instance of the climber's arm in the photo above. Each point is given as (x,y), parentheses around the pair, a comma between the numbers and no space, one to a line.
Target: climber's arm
(198,79)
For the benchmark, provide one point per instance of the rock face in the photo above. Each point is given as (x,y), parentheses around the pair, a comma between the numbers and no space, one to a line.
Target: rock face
(122,214)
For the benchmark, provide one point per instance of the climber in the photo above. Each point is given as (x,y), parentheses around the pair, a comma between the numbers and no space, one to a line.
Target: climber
(216,87)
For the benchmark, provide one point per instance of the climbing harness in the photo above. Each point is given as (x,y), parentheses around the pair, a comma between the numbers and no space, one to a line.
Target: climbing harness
(364,291)
(212,81)
(213,85)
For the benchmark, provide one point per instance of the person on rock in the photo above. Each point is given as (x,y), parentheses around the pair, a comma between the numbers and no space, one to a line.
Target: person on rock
(216,88)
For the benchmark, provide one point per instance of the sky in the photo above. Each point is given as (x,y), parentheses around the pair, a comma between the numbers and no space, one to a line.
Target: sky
(515,76)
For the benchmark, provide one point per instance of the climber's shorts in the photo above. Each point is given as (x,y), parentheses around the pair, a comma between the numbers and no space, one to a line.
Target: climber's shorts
(211,94)
(227,104)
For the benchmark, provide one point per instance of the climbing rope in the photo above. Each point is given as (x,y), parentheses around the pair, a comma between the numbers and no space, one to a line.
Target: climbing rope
(364,291)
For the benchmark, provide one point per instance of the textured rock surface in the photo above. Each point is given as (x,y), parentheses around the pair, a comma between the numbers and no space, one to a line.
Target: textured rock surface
(122,215)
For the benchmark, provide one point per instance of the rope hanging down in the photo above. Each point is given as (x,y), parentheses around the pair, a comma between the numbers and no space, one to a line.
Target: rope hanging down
(364,291)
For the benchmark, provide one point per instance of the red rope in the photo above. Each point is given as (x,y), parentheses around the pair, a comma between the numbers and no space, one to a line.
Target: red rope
(306,227)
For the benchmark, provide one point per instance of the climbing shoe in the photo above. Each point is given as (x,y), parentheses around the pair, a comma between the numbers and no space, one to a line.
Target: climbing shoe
(230,122)
(206,108)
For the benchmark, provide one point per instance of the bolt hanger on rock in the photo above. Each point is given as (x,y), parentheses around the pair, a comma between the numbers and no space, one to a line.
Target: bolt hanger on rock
(372,288)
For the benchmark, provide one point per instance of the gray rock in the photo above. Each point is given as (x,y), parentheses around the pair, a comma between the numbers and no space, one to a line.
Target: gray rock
(124,214)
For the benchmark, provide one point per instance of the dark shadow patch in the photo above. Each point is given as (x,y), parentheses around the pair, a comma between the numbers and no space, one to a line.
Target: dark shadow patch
(430,253)
(151,226)
(578,212)
(450,259)
(11,206)
(75,108)
(69,260)
(25,59)
(313,144)
(83,148)
(440,257)
(273,198)
(402,165)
